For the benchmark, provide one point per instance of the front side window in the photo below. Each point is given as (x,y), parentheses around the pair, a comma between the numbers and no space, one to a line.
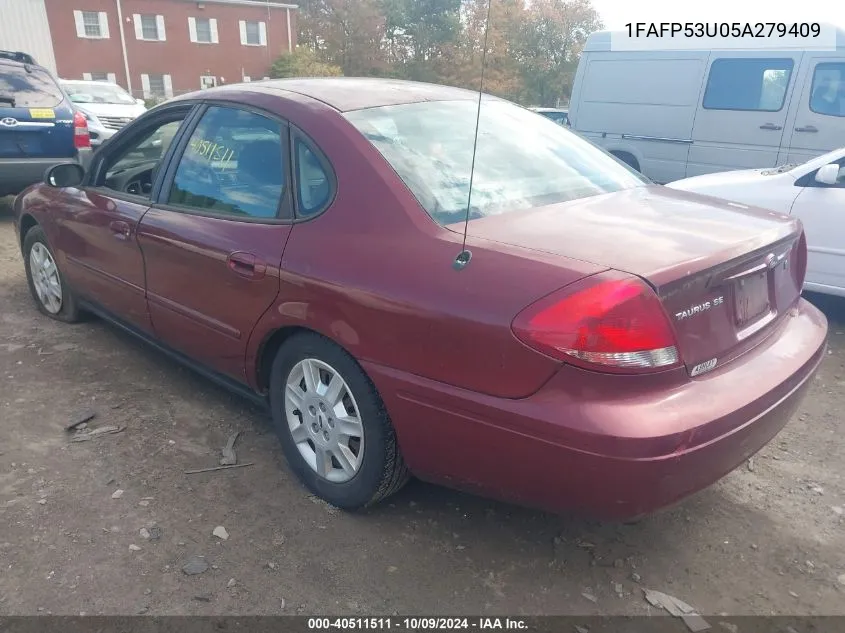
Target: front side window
(523,160)
(827,95)
(233,165)
(132,169)
(748,84)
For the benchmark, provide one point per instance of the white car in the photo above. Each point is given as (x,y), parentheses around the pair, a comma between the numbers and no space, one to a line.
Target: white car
(106,106)
(813,191)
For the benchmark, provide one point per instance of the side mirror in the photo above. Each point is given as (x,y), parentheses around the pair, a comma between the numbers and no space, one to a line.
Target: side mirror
(64,175)
(828,175)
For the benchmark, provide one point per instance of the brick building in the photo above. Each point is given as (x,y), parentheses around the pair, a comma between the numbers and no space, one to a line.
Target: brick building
(159,48)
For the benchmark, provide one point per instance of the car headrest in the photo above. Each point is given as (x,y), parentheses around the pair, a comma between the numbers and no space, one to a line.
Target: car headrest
(261,161)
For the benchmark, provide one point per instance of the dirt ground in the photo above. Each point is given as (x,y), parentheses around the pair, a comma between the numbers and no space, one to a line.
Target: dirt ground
(768,539)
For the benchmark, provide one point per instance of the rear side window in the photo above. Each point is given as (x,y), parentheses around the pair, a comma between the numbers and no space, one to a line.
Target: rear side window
(827,95)
(315,188)
(748,84)
(33,88)
(234,165)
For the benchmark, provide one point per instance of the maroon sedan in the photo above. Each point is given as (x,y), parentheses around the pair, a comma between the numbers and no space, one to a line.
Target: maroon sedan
(610,347)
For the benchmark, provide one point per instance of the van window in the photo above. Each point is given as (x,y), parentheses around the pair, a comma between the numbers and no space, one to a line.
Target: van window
(748,84)
(827,95)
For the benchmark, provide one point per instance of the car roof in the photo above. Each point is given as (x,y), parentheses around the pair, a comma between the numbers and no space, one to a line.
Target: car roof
(354,93)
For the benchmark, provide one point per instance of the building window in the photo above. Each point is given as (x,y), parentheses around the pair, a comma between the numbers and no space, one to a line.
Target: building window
(157,86)
(91,24)
(149,27)
(750,84)
(253,33)
(96,76)
(203,30)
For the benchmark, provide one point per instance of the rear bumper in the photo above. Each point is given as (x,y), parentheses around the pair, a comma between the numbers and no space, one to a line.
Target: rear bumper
(16,174)
(611,447)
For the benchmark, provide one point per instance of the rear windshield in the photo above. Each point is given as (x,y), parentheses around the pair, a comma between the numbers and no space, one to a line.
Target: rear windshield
(523,160)
(30,89)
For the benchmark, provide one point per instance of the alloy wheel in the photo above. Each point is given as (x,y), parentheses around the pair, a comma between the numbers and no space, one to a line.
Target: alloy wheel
(45,278)
(324,420)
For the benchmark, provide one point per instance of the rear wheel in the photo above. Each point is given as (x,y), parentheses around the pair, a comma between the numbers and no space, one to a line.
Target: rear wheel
(628,159)
(46,284)
(332,424)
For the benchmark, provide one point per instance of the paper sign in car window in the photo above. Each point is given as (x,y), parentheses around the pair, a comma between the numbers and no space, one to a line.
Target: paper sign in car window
(42,113)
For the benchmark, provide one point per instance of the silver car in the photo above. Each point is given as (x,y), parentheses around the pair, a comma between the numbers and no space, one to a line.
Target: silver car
(105,105)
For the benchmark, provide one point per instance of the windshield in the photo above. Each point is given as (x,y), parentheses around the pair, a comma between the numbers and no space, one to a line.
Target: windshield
(97,93)
(523,160)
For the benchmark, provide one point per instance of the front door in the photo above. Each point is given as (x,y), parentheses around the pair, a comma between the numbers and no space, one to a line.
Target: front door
(99,221)
(213,244)
(819,123)
(821,209)
(742,116)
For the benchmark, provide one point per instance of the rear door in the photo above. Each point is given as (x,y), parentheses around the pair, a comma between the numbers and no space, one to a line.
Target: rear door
(36,120)
(743,111)
(819,122)
(213,244)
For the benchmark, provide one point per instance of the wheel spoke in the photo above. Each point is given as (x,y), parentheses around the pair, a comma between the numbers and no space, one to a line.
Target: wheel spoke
(50,268)
(293,394)
(300,433)
(311,374)
(334,391)
(324,461)
(347,460)
(54,288)
(350,426)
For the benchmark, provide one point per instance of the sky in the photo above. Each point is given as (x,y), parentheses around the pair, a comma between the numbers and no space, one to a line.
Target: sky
(616,13)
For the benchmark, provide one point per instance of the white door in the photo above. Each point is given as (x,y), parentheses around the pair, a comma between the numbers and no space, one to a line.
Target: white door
(818,125)
(821,209)
(742,115)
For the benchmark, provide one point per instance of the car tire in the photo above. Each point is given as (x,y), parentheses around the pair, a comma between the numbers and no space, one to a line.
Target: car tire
(61,304)
(311,420)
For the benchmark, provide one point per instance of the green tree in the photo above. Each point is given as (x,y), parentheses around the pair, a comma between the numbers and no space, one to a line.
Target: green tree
(302,62)
(552,38)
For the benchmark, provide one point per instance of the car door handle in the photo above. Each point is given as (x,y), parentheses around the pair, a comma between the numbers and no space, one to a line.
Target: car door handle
(807,128)
(246,265)
(120,229)
(770,126)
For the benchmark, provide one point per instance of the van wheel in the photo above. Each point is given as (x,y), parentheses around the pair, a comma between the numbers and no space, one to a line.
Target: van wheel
(332,424)
(46,284)
(628,159)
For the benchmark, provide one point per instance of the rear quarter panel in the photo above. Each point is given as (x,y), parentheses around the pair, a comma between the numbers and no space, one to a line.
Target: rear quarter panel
(374,273)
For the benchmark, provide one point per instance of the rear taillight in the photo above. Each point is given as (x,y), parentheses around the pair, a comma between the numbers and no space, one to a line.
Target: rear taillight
(801,261)
(81,137)
(615,324)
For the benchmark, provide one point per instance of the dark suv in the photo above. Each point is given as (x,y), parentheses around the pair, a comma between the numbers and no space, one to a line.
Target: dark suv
(39,126)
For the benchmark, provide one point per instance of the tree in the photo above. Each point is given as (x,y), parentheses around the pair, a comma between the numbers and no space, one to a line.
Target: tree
(302,62)
(418,32)
(552,39)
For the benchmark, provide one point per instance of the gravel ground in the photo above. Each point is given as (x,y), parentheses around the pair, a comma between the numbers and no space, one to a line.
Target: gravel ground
(768,539)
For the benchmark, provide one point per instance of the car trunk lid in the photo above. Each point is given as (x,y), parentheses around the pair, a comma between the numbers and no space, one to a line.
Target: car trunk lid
(725,272)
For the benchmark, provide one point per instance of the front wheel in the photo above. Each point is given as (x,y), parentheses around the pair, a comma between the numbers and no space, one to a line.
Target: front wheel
(332,424)
(46,284)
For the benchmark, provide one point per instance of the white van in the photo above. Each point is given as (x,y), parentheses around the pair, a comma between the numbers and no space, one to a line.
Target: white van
(676,114)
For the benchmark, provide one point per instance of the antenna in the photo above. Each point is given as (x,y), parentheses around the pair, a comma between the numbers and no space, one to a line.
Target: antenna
(465,256)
